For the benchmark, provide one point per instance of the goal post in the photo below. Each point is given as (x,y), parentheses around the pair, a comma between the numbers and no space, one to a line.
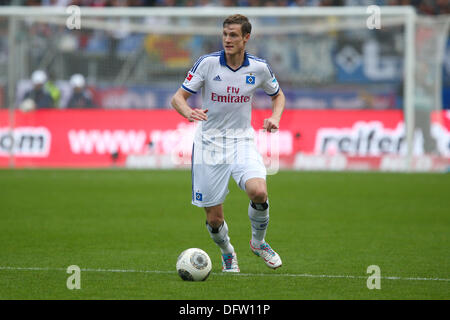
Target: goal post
(131,48)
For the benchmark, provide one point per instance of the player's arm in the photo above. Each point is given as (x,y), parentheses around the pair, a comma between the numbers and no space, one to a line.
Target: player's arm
(179,102)
(278,102)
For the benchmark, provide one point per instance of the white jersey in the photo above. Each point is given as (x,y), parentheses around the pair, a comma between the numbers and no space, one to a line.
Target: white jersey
(227,94)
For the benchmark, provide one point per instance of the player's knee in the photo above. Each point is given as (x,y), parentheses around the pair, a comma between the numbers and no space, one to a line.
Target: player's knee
(258,195)
(214,217)
(256,190)
(215,221)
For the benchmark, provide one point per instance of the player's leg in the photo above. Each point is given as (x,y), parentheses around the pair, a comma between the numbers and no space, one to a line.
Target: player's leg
(258,213)
(250,174)
(218,230)
(209,190)
(258,209)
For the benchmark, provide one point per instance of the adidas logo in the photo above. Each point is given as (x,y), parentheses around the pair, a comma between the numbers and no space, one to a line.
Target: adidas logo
(217,78)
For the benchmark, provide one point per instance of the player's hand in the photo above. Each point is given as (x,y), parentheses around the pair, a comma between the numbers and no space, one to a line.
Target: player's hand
(271,124)
(198,115)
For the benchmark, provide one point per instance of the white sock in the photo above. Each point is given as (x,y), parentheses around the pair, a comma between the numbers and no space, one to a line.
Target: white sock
(221,238)
(259,218)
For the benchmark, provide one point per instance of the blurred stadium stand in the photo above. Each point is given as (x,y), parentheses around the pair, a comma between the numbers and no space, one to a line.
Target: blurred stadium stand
(134,59)
(104,57)
(430,7)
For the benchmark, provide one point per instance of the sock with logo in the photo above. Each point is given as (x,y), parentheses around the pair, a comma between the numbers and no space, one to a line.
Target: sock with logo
(259,218)
(220,237)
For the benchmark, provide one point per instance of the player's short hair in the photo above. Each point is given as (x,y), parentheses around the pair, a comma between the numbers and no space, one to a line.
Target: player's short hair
(246,26)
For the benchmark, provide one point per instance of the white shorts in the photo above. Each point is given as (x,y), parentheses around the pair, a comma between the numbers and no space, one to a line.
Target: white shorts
(210,178)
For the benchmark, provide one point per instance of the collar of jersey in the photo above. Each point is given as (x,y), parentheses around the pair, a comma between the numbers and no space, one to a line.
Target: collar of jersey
(223,61)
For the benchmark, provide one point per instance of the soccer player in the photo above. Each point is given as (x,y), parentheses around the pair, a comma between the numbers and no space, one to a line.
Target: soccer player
(223,142)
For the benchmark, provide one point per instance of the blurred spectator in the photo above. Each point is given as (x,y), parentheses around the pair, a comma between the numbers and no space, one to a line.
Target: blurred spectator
(443,6)
(333,3)
(53,89)
(207,3)
(166,3)
(81,97)
(229,3)
(425,7)
(364,2)
(56,3)
(37,97)
(33,3)
(254,3)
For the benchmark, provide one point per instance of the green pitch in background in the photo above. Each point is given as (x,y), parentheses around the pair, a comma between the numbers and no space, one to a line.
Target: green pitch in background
(125,230)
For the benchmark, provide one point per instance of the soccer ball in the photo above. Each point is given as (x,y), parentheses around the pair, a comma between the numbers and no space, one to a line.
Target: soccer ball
(194,265)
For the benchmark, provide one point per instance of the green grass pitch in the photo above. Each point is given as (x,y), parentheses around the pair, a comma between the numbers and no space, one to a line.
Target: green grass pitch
(125,229)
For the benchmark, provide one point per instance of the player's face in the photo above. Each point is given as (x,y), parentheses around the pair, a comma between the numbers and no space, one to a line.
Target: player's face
(232,39)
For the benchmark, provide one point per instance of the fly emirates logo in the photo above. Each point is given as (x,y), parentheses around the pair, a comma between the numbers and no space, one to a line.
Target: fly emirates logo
(232,96)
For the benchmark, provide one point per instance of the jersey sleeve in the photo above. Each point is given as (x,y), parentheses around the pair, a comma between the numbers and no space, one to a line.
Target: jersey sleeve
(270,84)
(195,78)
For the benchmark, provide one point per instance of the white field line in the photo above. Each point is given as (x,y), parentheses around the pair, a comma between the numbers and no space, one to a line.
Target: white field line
(303,275)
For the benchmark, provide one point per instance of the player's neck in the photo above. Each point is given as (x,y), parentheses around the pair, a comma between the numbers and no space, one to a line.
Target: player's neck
(236,60)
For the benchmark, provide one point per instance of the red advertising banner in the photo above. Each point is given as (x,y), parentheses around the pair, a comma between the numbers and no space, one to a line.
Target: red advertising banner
(308,139)
(80,138)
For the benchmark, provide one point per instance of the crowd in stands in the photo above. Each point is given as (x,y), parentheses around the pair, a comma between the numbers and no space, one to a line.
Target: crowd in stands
(44,93)
(429,7)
